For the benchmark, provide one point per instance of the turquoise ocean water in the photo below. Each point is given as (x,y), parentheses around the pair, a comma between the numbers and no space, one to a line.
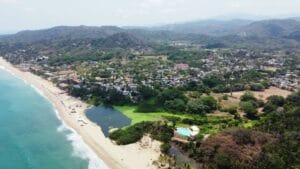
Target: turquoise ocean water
(31,134)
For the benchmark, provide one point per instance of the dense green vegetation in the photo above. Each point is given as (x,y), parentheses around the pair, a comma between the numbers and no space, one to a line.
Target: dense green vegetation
(174,100)
(202,105)
(273,143)
(208,124)
(98,96)
(249,105)
(158,130)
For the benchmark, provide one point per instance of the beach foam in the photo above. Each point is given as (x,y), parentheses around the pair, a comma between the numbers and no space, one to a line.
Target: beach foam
(31,85)
(13,74)
(39,92)
(80,149)
(83,151)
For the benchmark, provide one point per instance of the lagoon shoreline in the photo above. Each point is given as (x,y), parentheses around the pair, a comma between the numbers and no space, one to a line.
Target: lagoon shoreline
(72,113)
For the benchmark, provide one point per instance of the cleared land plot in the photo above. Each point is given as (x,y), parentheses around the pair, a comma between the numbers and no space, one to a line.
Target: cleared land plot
(265,94)
(235,98)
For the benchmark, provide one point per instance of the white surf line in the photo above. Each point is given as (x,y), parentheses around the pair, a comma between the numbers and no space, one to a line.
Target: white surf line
(80,148)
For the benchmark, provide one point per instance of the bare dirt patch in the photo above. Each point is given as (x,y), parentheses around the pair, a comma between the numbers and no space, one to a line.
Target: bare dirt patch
(265,94)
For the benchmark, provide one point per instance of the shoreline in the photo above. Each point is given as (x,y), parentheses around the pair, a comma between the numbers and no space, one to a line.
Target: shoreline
(71,111)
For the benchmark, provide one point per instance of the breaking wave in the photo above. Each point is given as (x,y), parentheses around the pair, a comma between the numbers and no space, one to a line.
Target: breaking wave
(80,149)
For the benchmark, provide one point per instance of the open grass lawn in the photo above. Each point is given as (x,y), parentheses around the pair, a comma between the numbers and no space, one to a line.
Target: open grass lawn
(211,124)
(137,117)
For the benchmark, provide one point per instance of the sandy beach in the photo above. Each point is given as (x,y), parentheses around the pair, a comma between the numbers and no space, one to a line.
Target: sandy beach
(134,156)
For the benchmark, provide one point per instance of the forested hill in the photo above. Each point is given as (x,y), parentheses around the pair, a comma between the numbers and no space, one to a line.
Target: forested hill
(63,32)
(264,34)
(206,27)
(270,28)
(77,42)
(108,41)
(283,28)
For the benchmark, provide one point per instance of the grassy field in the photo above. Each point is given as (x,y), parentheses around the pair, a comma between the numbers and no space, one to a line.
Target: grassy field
(210,125)
(137,117)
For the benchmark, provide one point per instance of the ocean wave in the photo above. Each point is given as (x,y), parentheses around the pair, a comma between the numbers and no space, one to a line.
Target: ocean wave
(13,74)
(80,149)
(7,70)
(40,92)
(62,129)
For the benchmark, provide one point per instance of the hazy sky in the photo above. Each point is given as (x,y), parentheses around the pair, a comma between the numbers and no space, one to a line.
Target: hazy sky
(34,14)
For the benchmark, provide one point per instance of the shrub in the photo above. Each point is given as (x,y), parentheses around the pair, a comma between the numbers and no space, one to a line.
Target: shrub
(170,94)
(250,109)
(134,133)
(294,99)
(276,100)
(257,87)
(147,106)
(232,110)
(196,107)
(172,119)
(161,132)
(128,135)
(210,102)
(266,84)
(204,89)
(221,89)
(248,96)
(238,87)
(260,103)
(269,108)
(165,147)
(212,81)
(146,92)
(176,106)
(225,97)
(189,121)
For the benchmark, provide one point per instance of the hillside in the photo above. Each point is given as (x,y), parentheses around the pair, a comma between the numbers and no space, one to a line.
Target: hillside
(61,32)
(276,27)
(109,41)
(207,27)
(80,42)
(265,34)
(271,28)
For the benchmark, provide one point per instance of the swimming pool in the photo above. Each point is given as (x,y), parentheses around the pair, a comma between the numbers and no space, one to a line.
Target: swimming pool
(184,132)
